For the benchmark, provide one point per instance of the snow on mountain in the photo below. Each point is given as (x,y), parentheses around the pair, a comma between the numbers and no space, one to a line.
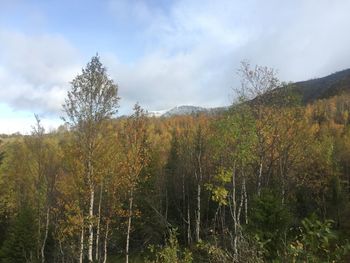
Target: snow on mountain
(156,113)
(184,110)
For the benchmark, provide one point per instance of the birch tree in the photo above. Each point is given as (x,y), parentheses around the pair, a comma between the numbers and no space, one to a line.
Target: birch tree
(135,157)
(92,100)
(235,141)
(43,154)
(199,155)
(257,86)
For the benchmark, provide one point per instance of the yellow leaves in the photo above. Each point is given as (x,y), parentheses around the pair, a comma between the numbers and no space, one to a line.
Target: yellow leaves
(123,213)
(333,112)
(70,224)
(224,176)
(218,190)
(219,195)
(134,146)
(137,213)
(295,249)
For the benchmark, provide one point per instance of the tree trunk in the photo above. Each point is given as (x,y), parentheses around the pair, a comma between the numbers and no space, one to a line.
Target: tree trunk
(283,187)
(234,204)
(81,245)
(245,201)
(98,225)
(189,241)
(348,175)
(240,203)
(61,250)
(39,223)
(260,176)
(166,203)
(105,243)
(90,178)
(199,177)
(91,230)
(46,234)
(129,228)
(198,214)
(184,223)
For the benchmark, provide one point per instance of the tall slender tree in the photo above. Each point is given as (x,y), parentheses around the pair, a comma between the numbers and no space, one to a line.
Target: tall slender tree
(134,146)
(257,86)
(92,100)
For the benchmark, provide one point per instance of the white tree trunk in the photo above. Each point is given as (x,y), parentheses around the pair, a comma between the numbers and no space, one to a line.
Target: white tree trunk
(81,245)
(98,226)
(260,176)
(240,204)
(129,228)
(283,172)
(245,201)
(234,208)
(198,214)
(91,230)
(61,250)
(105,243)
(45,235)
(39,223)
(188,223)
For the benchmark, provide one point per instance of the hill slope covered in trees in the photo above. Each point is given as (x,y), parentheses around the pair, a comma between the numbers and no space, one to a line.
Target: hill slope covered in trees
(325,87)
(260,182)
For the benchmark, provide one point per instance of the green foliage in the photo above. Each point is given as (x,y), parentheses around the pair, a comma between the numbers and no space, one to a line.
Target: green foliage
(211,253)
(269,221)
(214,251)
(270,142)
(250,250)
(235,134)
(19,246)
(317,242)
(171,252)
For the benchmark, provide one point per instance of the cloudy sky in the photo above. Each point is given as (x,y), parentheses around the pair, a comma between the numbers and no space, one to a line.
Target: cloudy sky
(162,53)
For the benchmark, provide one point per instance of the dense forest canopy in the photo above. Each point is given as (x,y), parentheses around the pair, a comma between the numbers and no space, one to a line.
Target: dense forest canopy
(267,180)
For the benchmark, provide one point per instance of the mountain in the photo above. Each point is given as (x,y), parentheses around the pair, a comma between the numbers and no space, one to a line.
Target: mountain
(155,113)
(324,87)
(309,90)
(185,110)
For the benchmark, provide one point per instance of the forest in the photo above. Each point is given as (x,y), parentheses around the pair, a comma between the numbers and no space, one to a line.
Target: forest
(266,180)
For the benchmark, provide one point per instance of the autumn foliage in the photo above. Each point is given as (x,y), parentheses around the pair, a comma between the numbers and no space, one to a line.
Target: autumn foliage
(260,182)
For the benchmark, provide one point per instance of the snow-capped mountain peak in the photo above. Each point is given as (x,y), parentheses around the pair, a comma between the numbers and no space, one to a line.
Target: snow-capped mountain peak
(183,110)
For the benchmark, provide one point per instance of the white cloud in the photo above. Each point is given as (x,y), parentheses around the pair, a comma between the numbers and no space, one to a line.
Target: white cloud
(35,70)
(10,125)
(191,50)
(194,47)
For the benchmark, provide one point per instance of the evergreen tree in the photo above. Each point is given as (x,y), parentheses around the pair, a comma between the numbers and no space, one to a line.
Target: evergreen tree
(20,244)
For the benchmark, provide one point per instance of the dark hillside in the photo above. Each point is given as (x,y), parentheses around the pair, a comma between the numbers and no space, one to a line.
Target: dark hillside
(324,87)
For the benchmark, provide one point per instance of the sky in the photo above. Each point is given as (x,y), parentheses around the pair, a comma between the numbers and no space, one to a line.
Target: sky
(161,53)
